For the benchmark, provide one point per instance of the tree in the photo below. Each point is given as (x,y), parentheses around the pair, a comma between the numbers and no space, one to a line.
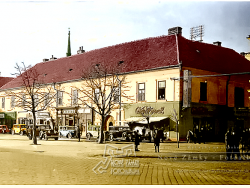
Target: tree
(101,90)
(33,95)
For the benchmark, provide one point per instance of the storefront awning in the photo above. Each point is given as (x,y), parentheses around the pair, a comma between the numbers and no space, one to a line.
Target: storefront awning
(143,120)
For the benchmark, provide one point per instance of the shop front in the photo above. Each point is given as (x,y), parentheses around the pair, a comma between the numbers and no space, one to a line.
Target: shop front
(73,116)
(8,118)
(150,116)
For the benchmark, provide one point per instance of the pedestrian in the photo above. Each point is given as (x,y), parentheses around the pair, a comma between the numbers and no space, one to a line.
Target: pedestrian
(202,135)
(149,137)
(196,134)
(157,140)
(137,140)
(232,140)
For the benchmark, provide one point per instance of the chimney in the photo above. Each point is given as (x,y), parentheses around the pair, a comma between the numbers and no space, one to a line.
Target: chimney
(44,60)
(53,58)
(217,43)
(175,30)
(80,51)
(243,53)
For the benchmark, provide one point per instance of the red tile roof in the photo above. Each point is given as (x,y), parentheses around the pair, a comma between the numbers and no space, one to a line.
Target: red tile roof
(211,57)
(4,80)
(143,54)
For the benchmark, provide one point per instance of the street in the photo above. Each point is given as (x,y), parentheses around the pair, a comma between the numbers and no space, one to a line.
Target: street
(69,162)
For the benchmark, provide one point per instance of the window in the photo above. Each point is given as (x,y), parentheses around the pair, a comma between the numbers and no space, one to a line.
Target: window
(36,100)
(3,102)
(46,99)
(12,102)
(239,97)
(203,91)
(116,94)
(59,100)
(141,92)
(161,90)
(23,100)
(97,94)
(74,97)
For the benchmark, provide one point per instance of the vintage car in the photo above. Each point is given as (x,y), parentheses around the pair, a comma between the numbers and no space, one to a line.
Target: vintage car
(18,129)
(67,131)
(120,133)
(4,129)
(93,132)
(48,133)
(43,132)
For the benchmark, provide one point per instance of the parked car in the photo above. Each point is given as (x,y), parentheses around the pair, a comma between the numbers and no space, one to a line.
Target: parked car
(4,129)
(93,132)
(120,133)
(67,131)
(48,133)
(19,129)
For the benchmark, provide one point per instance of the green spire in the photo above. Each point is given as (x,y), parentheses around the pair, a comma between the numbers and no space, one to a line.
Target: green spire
(69,48)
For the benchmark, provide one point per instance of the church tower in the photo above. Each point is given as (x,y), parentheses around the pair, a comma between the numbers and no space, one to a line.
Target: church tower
(69,48)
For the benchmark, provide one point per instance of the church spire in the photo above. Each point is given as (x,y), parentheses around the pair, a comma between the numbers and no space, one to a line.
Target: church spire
(69,48)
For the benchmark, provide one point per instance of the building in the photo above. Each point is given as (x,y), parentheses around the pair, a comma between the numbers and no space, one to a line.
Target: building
(172,79)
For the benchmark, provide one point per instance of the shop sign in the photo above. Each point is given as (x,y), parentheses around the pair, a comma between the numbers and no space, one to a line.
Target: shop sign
(69,111)
(149,110)
(46,114)
(1,115)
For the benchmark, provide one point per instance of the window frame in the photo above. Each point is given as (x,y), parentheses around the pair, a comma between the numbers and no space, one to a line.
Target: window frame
(158,90)
(3,102)
(203,91)
(141,96)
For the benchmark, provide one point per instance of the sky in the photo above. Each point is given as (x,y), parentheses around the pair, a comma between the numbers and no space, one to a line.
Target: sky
(34,30)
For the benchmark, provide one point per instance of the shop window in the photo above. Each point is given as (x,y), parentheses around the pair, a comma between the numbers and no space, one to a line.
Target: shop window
(141,92)
(161,90)
(239,97)
(3,102)
(12,102)
(203,91)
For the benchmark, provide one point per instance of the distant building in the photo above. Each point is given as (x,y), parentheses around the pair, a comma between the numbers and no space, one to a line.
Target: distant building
(206,84)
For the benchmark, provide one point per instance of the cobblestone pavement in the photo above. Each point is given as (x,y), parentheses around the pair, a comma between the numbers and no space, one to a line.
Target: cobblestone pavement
(69,162)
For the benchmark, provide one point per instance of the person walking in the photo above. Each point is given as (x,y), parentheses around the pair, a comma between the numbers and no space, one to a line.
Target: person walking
(157,141)
(137,140)
(232,141)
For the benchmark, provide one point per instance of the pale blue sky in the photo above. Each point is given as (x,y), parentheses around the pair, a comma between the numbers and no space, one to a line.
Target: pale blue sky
(34,30)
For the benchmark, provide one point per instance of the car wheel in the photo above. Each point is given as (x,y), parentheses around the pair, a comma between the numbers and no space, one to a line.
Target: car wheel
(69,136)
(21,133)
(56,138)
(3,131)
(12,132)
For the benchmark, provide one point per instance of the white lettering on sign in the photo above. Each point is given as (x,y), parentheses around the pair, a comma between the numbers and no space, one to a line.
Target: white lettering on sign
(68,111)
(149,110)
